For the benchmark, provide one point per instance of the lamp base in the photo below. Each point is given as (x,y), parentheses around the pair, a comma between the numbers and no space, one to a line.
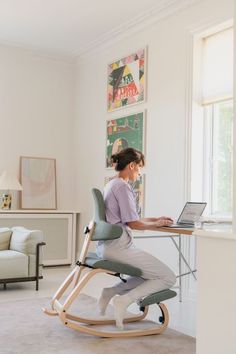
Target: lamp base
(6,201)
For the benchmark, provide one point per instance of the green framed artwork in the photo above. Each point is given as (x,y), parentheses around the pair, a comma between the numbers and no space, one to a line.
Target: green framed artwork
(123,132)
(138,188)
(126,81)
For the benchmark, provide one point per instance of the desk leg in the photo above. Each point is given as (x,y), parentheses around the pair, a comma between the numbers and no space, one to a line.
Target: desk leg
(180,270)
(183,258)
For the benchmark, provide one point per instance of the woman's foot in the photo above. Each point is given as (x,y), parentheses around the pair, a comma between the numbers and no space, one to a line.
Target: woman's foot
(104,299)
(121,304)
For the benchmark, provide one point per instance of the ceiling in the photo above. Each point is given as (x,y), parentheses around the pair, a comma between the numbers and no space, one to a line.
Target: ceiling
(70,27)
(66,27)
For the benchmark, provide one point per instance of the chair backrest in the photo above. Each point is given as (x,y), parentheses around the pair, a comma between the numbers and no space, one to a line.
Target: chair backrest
(103,230)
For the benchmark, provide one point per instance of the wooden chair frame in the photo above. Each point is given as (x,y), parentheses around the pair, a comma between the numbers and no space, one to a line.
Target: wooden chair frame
(78,280)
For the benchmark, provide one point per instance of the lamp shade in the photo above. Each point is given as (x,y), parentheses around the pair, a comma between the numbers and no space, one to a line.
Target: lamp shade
(8,181)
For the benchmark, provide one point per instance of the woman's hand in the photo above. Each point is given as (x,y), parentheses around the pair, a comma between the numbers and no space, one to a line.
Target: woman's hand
(164,218)
(164,221)
(150,223)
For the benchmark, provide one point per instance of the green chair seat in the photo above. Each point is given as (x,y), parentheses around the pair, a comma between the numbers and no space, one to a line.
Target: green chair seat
(158,297)
(93,261)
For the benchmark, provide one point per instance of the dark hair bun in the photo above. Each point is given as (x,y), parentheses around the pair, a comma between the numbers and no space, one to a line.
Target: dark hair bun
(121,159)
(115,158)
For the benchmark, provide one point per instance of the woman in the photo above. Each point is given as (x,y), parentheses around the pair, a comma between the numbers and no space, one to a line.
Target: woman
(121,209)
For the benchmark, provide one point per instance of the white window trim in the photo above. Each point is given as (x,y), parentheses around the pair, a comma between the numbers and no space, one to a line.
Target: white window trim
(194,37)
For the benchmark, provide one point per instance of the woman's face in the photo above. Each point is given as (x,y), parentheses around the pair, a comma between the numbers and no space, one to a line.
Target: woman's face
(135,170)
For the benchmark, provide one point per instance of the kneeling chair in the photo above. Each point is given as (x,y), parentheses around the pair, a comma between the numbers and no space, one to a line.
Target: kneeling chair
(97,230)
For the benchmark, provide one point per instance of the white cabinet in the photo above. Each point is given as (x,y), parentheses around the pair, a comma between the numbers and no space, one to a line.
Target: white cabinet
(59,228)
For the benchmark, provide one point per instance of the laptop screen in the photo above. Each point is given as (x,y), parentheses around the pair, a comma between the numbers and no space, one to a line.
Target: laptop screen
(191,212)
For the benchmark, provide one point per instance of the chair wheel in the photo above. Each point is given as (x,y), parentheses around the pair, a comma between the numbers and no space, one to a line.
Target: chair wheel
(161,319)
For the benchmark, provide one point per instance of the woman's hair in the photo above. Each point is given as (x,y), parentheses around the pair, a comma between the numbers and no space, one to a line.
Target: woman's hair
(124,157)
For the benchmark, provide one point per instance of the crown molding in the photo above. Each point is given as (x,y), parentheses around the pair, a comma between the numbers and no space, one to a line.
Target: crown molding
(39,52)
(160,11)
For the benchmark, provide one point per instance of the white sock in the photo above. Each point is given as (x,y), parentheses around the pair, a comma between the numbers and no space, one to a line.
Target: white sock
(105,298)
(121,304)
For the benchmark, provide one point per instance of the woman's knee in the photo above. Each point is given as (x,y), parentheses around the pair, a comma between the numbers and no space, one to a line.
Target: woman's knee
(171,279)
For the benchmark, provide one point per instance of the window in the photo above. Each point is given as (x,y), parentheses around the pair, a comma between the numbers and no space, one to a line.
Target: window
(218,160)
(212,126)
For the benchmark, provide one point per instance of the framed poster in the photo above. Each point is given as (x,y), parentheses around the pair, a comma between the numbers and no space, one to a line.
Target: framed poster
(38,179)
(126,81)
(138,188)
(123,132)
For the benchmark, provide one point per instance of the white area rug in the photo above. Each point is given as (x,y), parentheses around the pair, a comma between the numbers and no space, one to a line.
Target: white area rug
(24,328)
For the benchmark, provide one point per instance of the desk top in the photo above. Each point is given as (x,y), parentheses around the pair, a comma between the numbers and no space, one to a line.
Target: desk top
(180,231)
(161,232)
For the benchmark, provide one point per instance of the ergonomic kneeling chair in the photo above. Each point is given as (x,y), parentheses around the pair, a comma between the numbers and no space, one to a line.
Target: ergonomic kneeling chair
(99,229)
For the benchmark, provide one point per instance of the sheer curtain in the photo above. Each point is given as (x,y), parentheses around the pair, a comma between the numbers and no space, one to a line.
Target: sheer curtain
(217,69)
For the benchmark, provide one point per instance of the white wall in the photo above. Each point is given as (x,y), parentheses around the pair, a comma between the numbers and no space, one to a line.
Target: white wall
(37,114)
(168,66)
(216,293)
(234,151)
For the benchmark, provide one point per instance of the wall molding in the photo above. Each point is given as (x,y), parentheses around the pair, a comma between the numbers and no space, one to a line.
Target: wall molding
(44,54)
(162,10)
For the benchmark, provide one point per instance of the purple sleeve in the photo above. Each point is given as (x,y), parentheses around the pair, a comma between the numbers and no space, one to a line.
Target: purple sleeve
(126,200)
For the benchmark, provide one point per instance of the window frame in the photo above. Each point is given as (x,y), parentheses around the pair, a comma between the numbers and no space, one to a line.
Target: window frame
(203,159)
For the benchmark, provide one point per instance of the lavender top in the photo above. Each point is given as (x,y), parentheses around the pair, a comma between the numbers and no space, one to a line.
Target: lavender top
(120,203)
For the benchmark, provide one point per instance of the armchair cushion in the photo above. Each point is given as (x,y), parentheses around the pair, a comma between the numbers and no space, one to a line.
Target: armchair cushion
(24,240)
(13,264)
(5,236)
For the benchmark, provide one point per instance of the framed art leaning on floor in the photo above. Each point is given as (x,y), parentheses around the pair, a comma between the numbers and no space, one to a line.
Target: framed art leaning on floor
(38,179)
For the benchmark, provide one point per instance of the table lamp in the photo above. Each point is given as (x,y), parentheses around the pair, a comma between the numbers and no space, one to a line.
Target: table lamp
(8,182)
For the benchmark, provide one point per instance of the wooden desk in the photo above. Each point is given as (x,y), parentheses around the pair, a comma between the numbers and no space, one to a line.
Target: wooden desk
(164,232)
(179,231)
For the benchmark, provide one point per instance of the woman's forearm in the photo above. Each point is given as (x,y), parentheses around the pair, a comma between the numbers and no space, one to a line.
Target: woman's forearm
(149,219)
(142,224)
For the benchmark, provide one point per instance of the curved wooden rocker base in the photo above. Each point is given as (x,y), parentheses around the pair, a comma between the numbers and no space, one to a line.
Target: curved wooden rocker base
(117,333)
(49,312)
(92,321)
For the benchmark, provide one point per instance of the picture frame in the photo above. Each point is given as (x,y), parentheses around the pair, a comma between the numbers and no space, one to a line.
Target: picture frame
(38,180)
(138,188)
(126,80)
(123,132)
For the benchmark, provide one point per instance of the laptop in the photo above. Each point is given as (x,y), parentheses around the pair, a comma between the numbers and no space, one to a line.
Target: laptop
(189,215)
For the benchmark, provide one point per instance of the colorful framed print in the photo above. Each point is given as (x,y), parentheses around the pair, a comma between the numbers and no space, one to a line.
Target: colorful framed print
(123,132)
(126,81)
(38,179)
(138,188)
